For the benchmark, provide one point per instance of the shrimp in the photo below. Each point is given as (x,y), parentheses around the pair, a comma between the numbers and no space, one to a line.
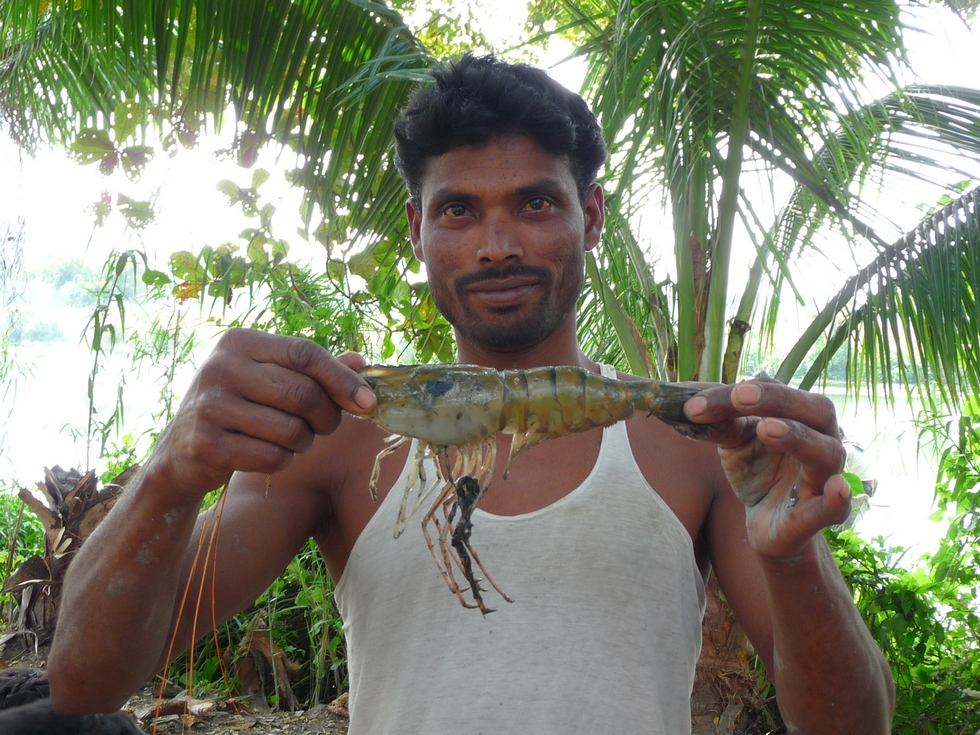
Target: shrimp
(465,406)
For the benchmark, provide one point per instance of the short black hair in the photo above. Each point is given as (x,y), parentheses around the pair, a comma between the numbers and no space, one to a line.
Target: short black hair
(479,98)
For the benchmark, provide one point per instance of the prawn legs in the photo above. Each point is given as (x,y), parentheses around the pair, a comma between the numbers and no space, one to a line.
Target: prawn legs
(465,406)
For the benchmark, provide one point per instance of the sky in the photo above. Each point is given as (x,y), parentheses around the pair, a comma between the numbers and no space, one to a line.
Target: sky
(53,197)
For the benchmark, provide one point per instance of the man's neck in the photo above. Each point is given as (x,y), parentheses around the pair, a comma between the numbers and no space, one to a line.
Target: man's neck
(560,348)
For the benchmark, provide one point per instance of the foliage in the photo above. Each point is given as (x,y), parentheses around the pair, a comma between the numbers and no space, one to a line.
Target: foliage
(675,83)
(24,332)
(303,621)
(788,79)
(372,301)
(307,75)
(325,648)
(925,619)
(924,623)
(445,29)
(21,534)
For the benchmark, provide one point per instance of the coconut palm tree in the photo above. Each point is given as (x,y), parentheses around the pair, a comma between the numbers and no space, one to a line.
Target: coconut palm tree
(676,83)
(710,105)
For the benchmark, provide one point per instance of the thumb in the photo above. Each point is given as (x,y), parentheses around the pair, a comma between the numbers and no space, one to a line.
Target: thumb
(835,503)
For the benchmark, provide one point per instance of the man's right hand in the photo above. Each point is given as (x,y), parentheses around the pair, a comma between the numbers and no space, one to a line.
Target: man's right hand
(257,401)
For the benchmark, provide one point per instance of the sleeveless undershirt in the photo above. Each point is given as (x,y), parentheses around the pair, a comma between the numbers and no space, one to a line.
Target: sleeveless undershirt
(603,635)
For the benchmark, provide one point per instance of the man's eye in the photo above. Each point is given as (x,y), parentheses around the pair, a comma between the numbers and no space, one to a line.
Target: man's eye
(455,210)
(537,204)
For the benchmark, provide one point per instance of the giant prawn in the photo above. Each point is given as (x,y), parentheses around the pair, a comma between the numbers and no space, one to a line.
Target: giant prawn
(465,406)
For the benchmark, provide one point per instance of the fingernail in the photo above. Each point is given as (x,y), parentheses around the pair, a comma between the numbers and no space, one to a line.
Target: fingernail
(696,406)
(748,394)
(365,398)
(776,429)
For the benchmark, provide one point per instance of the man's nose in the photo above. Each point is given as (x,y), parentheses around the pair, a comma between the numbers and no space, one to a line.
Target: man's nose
(500,242)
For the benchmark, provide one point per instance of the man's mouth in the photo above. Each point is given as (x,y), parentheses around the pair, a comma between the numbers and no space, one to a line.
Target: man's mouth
(503,292)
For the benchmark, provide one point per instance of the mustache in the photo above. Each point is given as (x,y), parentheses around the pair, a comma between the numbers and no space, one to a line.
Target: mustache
(518,270)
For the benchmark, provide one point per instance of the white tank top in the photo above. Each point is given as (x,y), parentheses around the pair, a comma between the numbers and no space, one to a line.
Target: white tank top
(603,634)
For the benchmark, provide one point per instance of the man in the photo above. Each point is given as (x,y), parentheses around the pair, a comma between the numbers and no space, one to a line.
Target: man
(603,538)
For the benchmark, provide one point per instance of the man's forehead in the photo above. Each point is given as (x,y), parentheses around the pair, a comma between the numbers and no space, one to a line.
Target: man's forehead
(519,160)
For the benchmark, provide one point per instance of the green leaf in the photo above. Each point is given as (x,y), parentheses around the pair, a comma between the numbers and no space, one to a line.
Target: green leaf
(259,177)
(336,269)
(230,189)
(184,265)
(101,210)
(280,249)
(125,119)
(857,487)
(629,336)
(265,214)
(92,146)
(363,264)
(138,214)
(256,249)
(134,160)
(121,263)
(155,278)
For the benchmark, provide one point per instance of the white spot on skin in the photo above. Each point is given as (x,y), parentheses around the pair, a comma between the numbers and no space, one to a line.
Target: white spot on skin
(117,586)
(170,518)
(145,556)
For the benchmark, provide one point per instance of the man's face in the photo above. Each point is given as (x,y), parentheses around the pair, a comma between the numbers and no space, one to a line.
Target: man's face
(503,234)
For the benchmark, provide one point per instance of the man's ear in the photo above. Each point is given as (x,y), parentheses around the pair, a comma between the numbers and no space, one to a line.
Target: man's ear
(415,228)
(594,208)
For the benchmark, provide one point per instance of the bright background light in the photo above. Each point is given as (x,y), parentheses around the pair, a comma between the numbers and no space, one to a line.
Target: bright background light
(52,196)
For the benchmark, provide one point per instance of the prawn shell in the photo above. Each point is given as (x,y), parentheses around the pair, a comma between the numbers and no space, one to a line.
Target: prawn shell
(557,400)
(442,405)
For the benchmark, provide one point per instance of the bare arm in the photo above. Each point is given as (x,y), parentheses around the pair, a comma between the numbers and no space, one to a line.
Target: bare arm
(257,402)
(779,488)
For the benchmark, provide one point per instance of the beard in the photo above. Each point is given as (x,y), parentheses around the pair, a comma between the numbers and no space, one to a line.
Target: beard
(519,327)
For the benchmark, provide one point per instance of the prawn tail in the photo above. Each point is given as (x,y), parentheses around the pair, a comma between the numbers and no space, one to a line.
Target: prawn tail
(666,402)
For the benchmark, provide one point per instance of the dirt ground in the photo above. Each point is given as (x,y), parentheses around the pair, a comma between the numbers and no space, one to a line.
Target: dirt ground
(213,717)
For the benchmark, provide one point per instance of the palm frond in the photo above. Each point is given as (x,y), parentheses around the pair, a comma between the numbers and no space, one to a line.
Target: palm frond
(325,77)
(912,315)
(663,78)
(921,135)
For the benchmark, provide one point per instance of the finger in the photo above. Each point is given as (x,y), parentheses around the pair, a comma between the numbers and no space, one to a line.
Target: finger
(343,386)
(244,453)
(354,360)
(731,430)
(763,398)
(284,390)
(267,424)
(830,507)
(819,455)
(210,457)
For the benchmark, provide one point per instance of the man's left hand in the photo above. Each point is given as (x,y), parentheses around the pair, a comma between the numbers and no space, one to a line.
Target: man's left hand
(781,451)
